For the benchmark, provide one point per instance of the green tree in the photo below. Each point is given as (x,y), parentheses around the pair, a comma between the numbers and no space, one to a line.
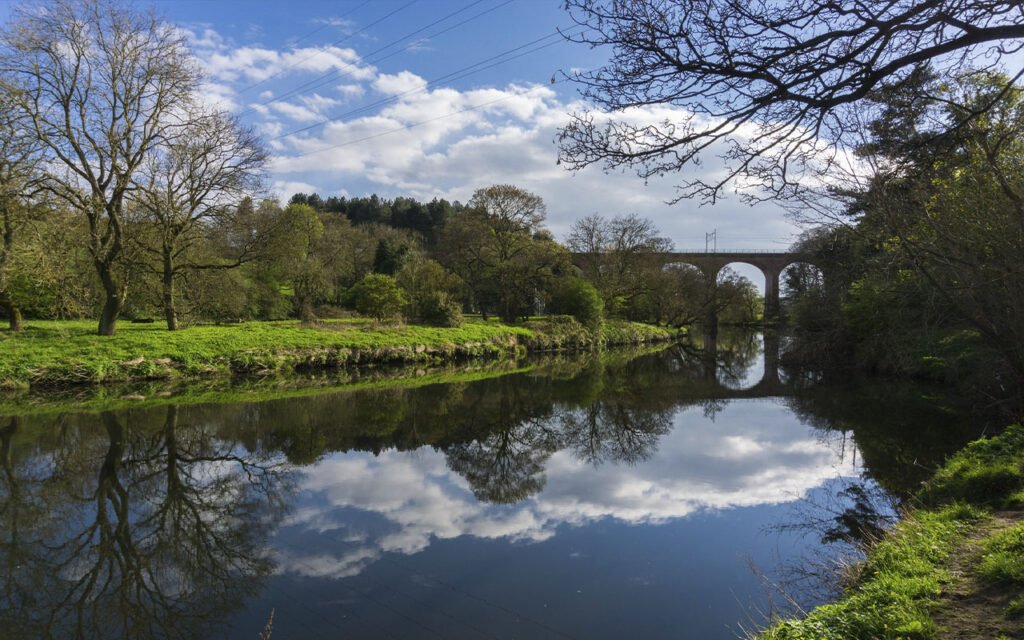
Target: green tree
(379,296)
(20,180)
(580,299)
(191,184)
(103,85)
(621,257)
(946,207)
(498,247)
(428,286)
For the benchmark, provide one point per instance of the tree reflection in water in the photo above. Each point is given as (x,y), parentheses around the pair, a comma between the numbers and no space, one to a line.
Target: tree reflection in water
(156,523)
(133,529)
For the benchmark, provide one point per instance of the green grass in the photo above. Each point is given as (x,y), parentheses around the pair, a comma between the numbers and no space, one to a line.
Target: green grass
(52,353)
(222,390)
(901,580)
(898,585)
(1002,563)
(986,472)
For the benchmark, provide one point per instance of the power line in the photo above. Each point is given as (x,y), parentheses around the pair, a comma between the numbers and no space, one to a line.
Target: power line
(330,75)
(326,23)
(458,74)
(411,125)
(319,82)
(333,44)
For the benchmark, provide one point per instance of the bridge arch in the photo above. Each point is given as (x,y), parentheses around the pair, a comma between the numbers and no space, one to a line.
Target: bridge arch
(710,264)
(770,265)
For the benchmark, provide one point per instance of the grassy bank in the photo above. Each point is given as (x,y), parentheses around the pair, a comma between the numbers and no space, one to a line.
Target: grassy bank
(225,389)
(54,353)
(954,566)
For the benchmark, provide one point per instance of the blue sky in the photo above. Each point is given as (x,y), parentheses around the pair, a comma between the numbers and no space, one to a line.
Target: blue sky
(364,67)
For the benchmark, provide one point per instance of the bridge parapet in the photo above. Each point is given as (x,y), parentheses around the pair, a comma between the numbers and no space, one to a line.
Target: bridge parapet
(771,264)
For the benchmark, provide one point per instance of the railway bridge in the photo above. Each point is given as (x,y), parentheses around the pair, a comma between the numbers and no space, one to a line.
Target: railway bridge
(711,263)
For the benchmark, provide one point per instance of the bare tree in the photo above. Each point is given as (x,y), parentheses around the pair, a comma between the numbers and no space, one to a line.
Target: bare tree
(102,85)
(774,88)
(193,184)
(20,179)
(620,256)
(588,235)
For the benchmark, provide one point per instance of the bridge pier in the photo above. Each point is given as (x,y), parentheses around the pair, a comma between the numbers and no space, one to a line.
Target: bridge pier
(710,299)
(772,306)
(771,265)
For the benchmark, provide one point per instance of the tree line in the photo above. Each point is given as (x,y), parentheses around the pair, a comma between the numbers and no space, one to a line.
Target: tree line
(123,194)
(926,260)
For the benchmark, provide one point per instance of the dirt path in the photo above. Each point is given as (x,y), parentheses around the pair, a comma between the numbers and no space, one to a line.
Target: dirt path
(969,608)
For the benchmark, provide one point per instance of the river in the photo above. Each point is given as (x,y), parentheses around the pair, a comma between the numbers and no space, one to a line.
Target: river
(670,493)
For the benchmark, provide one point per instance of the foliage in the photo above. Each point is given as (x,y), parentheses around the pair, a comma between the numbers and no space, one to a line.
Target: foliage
(379,296)
(508,262)
(618,332)
(622,260)
(985,472)
(925,278)
(425,282)
(579,299)
(950,209)
(440,310)
(425,219)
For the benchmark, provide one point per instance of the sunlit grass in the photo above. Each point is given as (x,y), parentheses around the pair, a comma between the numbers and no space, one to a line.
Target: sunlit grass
(902,576)
(901,581)
(53,352)
(1003,563)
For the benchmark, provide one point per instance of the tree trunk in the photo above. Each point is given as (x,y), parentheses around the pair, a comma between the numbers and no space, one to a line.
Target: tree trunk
(13,311)
(6,301)
(114,301)
(170,314)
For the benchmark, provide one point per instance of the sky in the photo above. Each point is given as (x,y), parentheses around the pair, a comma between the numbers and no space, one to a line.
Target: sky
(433,98)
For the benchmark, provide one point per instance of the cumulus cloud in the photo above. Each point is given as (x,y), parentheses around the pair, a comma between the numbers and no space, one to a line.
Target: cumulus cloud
(423,141)
(752,454)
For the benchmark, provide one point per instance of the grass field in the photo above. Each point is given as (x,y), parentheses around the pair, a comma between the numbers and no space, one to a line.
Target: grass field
(69,352)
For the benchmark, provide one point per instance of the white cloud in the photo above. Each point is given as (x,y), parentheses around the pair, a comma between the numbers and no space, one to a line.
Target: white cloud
(351,91)
(395,84)
(443,142)
(285,189)
(754,453)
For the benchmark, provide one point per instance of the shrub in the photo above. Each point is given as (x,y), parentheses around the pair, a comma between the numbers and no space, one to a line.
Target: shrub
(988,472)
(379,297)
(440,310)
(579,299)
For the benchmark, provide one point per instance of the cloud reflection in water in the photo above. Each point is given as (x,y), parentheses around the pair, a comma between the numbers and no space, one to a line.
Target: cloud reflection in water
(752,453)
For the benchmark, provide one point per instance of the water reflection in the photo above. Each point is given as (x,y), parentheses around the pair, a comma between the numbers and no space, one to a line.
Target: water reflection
(123,526)
(165,522)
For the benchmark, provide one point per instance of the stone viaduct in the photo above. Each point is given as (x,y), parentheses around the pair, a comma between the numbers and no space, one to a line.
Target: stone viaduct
(770,263)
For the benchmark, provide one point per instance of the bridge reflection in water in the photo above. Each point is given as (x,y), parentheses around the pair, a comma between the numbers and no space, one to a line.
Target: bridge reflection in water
(717,366)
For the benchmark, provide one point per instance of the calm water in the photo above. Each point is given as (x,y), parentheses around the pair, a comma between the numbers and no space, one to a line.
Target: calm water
(649,496)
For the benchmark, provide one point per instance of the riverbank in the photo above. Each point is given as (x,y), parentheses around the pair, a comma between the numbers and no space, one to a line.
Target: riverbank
(59,353)
(952,568)
(247,389)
